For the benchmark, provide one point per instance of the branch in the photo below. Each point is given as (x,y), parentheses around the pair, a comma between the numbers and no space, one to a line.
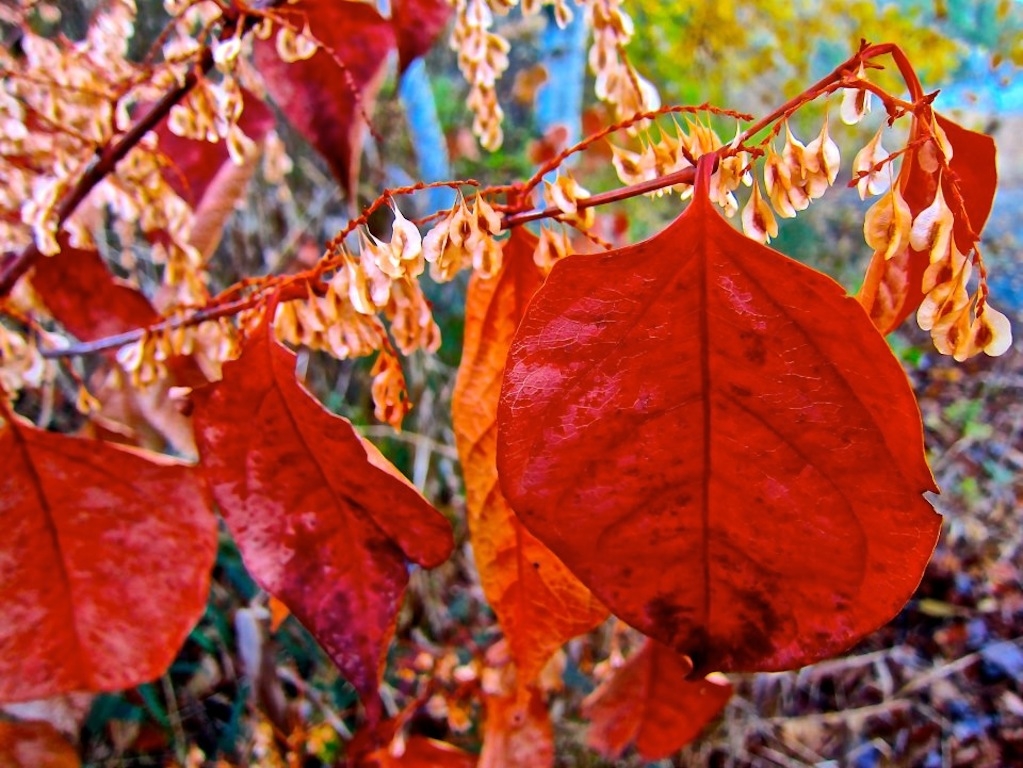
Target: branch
(827,84)
(684,176)
(296,285)
(120,339)
(13,267)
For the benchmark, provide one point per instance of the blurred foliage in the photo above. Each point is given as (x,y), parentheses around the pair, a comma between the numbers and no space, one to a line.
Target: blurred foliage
(745,52)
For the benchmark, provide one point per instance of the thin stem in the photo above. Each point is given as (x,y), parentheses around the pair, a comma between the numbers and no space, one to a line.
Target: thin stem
(285,292)
(684,176)
(582,144)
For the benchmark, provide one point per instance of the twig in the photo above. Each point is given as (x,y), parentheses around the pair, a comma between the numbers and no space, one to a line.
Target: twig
(684,176)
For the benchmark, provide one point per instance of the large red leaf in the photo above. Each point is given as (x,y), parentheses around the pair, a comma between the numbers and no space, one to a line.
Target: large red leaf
(417,24)
(104,565)
(649,702)
(718,442)
(538,602)
(891,290)
(319,524)
(324,97)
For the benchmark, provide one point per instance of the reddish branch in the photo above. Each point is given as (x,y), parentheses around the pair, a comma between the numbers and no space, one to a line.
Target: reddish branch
(845,75)
(684,176)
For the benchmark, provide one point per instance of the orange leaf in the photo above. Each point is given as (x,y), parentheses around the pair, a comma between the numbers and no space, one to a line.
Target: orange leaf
(650,702)
(327,99)
(538,602)
(319,524)
(278,613)
(517,731)
(35,745)
(892,290)
(718,443)
(104,565)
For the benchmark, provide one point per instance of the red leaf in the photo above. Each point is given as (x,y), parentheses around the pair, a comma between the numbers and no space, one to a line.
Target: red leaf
(387,745)
(419,752)
(104,565)
(891,290)
(974,162)
(35,745)
(717,441)
(417,24)
(538,602)
(325,100)
(195,164)
(82,295)
(319,524)
(85,298)
(650,702)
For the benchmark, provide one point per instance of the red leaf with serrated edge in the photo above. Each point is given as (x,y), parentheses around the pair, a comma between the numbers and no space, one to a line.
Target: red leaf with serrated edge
(85,298)
(327,99)
(892,290)
(517,731)
(35,745)
(716,440)
(417,24)
(538,602)
(193,164)
(319,524)
(104,565)
(649,702)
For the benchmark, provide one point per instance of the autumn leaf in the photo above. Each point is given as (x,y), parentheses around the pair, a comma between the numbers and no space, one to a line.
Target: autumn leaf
(718,443)
(84,297)
(204,174)
(388,745)
(417,24)
(419,752)
(35,745)
(328,99)
(538,602)
(650,701)
(319,524)
(91,303)
(892,290)
(104,565)
(194,165)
